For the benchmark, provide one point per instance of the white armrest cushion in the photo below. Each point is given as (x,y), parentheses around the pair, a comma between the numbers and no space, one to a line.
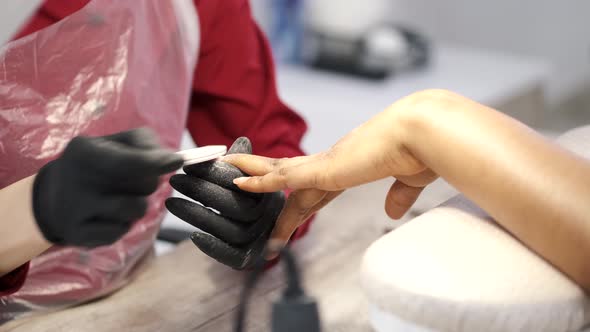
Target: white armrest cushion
(454,269)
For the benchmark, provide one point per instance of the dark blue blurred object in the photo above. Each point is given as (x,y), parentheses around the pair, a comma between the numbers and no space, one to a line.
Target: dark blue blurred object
(286,30)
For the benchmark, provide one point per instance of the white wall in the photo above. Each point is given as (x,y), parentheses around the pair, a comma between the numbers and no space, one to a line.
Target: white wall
(261,12)
(14,13)
(556,30)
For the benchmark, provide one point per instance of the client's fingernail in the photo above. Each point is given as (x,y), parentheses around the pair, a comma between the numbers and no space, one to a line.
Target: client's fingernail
(239,181)
(227,157)
(273,248)
(270,255)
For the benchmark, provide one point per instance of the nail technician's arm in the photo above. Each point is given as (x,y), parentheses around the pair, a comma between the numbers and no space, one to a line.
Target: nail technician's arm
(89,196)
(20,238)
(536,190)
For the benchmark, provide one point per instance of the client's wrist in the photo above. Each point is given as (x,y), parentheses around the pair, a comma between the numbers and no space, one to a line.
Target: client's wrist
(420,115)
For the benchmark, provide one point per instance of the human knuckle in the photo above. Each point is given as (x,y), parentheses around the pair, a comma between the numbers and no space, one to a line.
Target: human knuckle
(283,171)
(277,162)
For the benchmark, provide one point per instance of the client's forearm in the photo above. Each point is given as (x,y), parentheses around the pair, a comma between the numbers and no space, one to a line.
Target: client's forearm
(20,239)
(536,190)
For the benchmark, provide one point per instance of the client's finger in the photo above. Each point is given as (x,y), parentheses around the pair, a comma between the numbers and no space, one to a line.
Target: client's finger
(296,210)
(400,199)
(257,165)
(421,179)
(330,196)
(310,172)
(268,183)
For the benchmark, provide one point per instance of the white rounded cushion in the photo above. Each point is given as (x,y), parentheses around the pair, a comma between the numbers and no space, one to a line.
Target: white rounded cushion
(453,269)
(577,140)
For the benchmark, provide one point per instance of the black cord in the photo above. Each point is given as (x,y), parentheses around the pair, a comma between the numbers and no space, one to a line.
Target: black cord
(251,280)
(294,311)
(294,288)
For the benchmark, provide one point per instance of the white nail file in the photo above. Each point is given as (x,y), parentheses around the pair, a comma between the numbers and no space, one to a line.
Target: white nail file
(202,154)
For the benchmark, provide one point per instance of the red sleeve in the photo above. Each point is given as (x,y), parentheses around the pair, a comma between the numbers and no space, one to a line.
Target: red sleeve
(234,89)
(10,283)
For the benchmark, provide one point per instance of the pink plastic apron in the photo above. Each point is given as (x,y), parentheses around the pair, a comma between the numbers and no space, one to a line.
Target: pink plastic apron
(112,66)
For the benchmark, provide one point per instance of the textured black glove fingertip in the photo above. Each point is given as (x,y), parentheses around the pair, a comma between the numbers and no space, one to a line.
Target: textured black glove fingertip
(207,244)
(171,162)
(219,250)
(171,204)
(176,180)
(241,145)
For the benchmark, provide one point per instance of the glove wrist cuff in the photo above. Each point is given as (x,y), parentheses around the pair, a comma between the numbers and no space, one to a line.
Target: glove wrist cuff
(40,206)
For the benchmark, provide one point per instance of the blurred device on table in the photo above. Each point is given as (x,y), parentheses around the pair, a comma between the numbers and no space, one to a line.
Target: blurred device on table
(345,36)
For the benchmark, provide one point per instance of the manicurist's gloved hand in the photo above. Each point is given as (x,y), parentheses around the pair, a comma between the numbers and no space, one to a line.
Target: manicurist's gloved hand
(235,236)
(92,194)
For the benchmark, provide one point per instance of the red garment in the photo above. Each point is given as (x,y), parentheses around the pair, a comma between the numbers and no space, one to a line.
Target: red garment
(234,88)
(13,281)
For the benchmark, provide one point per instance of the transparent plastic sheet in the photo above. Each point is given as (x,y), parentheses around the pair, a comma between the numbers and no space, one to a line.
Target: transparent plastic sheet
(112,66)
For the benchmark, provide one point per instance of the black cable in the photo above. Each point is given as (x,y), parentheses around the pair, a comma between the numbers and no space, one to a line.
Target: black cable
(249,284)
(294,311)
(293,281)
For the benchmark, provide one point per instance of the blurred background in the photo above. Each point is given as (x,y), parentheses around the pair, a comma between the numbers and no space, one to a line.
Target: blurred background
(529,58)
(339,62)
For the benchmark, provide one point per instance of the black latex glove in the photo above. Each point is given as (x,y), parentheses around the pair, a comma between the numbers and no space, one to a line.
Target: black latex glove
(237,236)
(91,195)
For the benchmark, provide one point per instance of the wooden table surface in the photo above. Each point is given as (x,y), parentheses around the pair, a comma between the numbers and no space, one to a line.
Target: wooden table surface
(186,291)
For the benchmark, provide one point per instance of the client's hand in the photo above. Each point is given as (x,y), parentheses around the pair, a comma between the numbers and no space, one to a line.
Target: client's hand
(373,151)
(514,174)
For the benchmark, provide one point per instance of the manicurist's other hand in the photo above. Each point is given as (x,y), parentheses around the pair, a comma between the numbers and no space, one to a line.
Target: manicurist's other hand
(237,232)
